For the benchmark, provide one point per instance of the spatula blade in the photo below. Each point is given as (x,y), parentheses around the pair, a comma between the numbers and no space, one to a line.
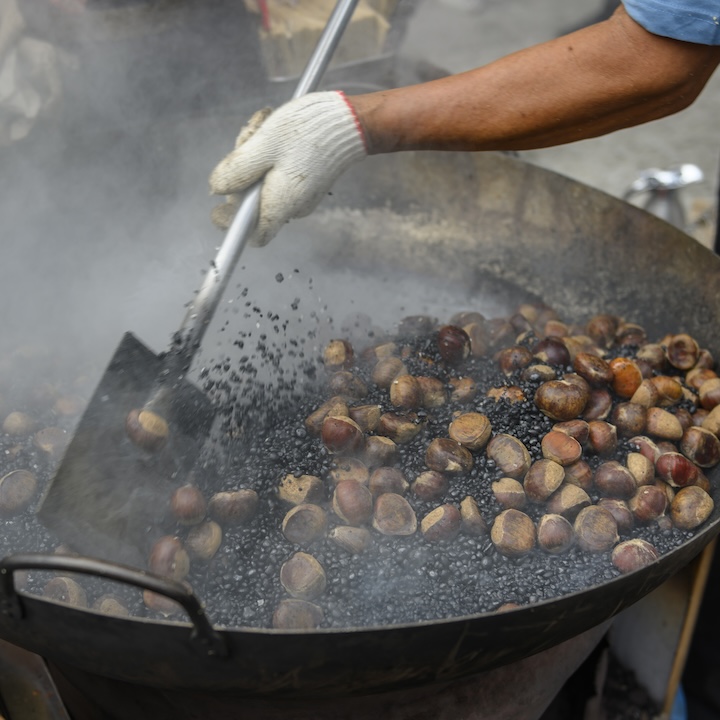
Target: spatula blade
(109,498)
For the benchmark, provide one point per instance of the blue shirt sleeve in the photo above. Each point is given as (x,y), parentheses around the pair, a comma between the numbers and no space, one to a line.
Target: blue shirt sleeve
(695,21)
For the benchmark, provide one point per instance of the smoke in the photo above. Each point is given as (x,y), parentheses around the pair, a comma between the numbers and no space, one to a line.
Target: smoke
(106,219)
(104,205)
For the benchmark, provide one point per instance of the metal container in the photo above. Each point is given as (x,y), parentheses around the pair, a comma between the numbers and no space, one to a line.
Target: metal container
(461,228)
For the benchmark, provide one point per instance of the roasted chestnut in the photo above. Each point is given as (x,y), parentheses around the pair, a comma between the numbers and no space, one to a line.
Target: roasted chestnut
(509,493)
(52,441)
(297,615)
(577,429)
(676,470)
(405,392)
(641,467)
(568,501)
(386,370)
(304,524)
(596,529)
(237,507)
(380,450)
(473,522)
(432,391)
(336,406)
(690,508)
(579,473)
(352,539)
(602,438)
(669,390)
(349,469)
(633,554)
(542,479)
(620,511)
(203,541)
(553,351)
(400,429)
(453,344)
(303,577)
(509,454)
(701,446)
(514,358)
(513,533)
(110,605)
(555,534)
(646,394)
(561,399)
(352,502)
(394,516)
(341,435)
(598,406)
(647,447)
(472,430)
(630,334)
(463,390)
(709,393)
(615,480)
(345,384)
(648,503)
(594,369)
(602,329)
(629,419)
(441,524)
(18,424)
(653,355)
(430,485)
(69,406)
(627,376)
(682,351)
(188,505)
(697,376)
(662,424)
(447,455)
(561,447)
(169,559)
(147,429)
(366,416)
(66,590)
(17,490)
(338,355)
(387,479)
(161,604)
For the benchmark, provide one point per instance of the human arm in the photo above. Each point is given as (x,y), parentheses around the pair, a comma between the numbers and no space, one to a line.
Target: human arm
(603,78)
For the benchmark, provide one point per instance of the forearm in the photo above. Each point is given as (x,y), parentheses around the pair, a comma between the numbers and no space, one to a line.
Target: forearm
(600,79)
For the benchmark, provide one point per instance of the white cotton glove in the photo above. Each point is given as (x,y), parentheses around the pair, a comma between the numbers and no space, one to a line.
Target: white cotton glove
(298,151)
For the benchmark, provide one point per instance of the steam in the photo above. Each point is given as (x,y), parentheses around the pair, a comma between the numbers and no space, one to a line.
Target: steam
(106,224)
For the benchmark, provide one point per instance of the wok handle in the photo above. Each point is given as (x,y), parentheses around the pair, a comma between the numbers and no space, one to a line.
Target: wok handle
(205,302)
(204,636)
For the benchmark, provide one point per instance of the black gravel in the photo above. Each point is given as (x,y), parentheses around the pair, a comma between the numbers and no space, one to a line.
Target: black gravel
(399,579)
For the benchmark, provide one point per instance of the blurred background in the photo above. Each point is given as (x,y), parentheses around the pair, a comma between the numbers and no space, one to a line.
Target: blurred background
(482,30)
(114,112)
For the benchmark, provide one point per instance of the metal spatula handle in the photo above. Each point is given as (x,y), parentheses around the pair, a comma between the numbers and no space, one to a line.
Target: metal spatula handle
(205,303)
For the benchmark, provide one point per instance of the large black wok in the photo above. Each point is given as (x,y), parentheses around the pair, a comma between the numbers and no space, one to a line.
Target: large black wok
(480,223)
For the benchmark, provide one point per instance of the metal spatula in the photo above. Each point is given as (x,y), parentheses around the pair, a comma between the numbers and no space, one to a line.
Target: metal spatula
(102,500)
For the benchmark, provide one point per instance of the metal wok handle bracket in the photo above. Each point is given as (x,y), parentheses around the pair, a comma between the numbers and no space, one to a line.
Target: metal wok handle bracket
(203,636)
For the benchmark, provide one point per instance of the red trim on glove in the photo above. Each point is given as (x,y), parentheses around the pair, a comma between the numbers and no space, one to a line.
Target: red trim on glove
(358,125)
